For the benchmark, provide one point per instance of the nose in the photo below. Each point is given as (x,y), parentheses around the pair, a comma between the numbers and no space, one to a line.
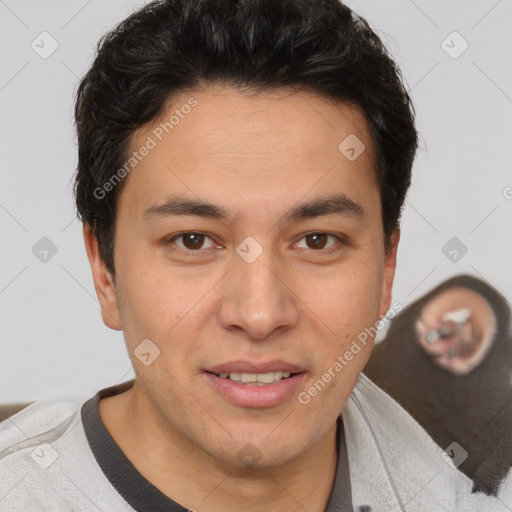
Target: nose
(257,298)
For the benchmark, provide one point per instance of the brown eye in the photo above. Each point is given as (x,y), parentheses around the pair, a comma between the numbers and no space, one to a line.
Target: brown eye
(323,243)
(191,241)
(316,240)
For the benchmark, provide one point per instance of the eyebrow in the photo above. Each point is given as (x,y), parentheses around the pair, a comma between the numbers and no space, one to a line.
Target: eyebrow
(333,205)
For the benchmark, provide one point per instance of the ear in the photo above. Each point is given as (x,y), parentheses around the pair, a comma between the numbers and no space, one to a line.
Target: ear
(389,273)
(103,281)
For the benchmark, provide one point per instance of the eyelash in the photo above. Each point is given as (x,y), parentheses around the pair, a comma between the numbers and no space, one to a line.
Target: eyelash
(340,238)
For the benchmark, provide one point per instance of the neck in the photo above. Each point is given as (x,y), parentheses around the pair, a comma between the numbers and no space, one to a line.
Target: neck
(194,479)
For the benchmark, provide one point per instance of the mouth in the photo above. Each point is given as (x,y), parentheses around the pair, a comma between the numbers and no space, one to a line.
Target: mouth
(248,384)
(255,379)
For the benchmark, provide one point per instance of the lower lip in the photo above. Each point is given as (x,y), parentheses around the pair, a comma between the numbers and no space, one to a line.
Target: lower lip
(246,395)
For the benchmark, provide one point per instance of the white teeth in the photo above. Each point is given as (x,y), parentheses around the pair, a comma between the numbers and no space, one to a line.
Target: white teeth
(267,378)
(258,379)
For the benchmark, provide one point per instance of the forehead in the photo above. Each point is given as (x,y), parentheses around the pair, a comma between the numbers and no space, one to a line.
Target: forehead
(235,144)
(224,115)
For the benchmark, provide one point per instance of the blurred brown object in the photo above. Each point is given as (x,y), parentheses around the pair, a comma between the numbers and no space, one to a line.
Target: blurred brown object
(455,378)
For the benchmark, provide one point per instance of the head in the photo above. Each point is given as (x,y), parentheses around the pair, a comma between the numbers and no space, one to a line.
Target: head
(242,170)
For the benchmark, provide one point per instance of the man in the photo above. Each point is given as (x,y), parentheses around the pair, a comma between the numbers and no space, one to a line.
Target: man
(242,168)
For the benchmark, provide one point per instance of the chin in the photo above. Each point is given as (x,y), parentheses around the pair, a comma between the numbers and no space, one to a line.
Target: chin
(257,452)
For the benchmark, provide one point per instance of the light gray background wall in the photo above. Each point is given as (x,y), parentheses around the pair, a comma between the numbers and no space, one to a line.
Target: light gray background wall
(52,339)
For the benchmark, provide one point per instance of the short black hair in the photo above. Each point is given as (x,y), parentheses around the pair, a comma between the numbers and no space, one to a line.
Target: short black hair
(169,46)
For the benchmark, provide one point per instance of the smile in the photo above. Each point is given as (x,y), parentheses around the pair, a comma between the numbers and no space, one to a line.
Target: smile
(256,389)
(255,379)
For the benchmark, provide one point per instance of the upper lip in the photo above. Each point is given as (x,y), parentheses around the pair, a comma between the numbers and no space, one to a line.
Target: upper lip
(244,366)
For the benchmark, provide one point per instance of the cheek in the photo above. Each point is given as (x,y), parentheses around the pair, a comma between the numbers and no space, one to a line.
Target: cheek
(148,302)
(349,307)
(348,302)
(165,308)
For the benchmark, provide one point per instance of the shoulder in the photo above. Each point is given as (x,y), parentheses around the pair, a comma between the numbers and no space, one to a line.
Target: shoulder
(44,417)
(28,450)
(394,461)
(46,463)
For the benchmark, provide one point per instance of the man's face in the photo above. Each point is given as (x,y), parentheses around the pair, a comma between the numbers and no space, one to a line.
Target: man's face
(270,281)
